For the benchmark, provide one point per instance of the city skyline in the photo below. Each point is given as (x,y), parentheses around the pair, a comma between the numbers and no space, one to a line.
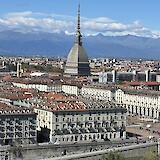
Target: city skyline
(107,17)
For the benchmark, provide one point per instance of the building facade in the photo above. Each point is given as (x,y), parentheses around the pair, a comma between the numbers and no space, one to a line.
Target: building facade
(97,92)
(116,76)
(72,89)
(17,126)
(41,85)
(140,102)
(78,122)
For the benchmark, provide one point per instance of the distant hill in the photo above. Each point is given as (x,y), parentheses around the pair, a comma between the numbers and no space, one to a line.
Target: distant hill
(59,44)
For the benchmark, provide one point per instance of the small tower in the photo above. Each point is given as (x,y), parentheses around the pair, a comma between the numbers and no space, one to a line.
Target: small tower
(147,73)
(114,75)
(19,70)
(77,61)
(3,64)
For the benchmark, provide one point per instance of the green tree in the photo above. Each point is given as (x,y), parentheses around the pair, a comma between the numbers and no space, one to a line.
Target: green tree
(113,156)
(150,155)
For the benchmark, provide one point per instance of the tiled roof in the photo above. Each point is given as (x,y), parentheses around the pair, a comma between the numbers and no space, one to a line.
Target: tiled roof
(10,110)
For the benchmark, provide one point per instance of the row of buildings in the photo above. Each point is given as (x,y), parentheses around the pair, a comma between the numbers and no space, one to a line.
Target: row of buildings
(146,101)
(117,76)
(58,118)
(80,113)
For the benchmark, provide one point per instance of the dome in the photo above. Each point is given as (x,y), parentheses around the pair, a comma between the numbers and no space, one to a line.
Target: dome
(77,55)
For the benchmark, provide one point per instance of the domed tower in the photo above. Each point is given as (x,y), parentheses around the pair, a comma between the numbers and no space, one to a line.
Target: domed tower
(77,61)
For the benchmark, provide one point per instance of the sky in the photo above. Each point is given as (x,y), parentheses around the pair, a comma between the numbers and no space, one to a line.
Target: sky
(109,17)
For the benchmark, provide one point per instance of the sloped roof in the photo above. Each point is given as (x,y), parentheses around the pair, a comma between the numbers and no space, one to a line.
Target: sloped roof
(77,55)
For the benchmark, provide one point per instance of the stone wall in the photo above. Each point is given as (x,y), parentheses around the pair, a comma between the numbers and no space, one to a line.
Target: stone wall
(84,152)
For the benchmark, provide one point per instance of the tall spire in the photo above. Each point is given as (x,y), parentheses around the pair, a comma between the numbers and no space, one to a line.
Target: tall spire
(78,33)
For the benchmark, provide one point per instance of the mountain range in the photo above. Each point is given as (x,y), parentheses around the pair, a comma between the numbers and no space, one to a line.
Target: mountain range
(14,43)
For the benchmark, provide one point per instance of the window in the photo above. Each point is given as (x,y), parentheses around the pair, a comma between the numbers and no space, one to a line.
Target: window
(90,118)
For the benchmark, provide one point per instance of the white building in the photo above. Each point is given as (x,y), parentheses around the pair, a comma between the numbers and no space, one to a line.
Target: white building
(140,102)
(39,74)
(44,85)
(72,89)
(100,92)
(82,121)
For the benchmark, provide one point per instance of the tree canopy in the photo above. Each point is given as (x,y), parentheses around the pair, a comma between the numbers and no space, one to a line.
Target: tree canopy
(151,155)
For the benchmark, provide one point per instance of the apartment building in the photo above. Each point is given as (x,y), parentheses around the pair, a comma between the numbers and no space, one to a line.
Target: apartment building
(141,102)
(72,88)
(98,92)
(17,125)
(78,121)
(117,76)
(41,84)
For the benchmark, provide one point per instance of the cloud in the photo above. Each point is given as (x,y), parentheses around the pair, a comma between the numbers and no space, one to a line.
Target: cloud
(56,23)
(26,20)
(19,14)
(112,26)
(101,20)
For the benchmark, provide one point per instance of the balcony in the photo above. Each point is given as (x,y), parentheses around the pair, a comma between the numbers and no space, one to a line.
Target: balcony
(32,127)
(58,132)
(19,122)
(100,129)
(10,135)
(75,131)
(83,130)
(122,128)
(71,124)
(32,122)
(18,128)
(109,129)
(32,134)
(18,135)
(66,131)
(2,135)
(92,130)
(1,122)
(79,123)
(116,128)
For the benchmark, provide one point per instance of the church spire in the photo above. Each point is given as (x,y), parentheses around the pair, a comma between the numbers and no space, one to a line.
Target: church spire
(78,33)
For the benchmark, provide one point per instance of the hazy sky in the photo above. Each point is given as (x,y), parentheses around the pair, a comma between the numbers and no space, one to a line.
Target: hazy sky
(110,17)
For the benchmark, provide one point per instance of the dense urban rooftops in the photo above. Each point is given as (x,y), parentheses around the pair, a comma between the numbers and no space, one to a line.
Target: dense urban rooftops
(10,110)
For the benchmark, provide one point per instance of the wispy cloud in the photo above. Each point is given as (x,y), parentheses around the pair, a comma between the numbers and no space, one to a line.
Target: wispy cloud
(55,23)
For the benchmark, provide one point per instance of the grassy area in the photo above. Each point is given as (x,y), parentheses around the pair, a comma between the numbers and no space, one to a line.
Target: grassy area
(133,158)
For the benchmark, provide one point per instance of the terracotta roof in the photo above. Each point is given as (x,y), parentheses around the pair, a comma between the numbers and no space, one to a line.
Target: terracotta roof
(140,83)
(10,110)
